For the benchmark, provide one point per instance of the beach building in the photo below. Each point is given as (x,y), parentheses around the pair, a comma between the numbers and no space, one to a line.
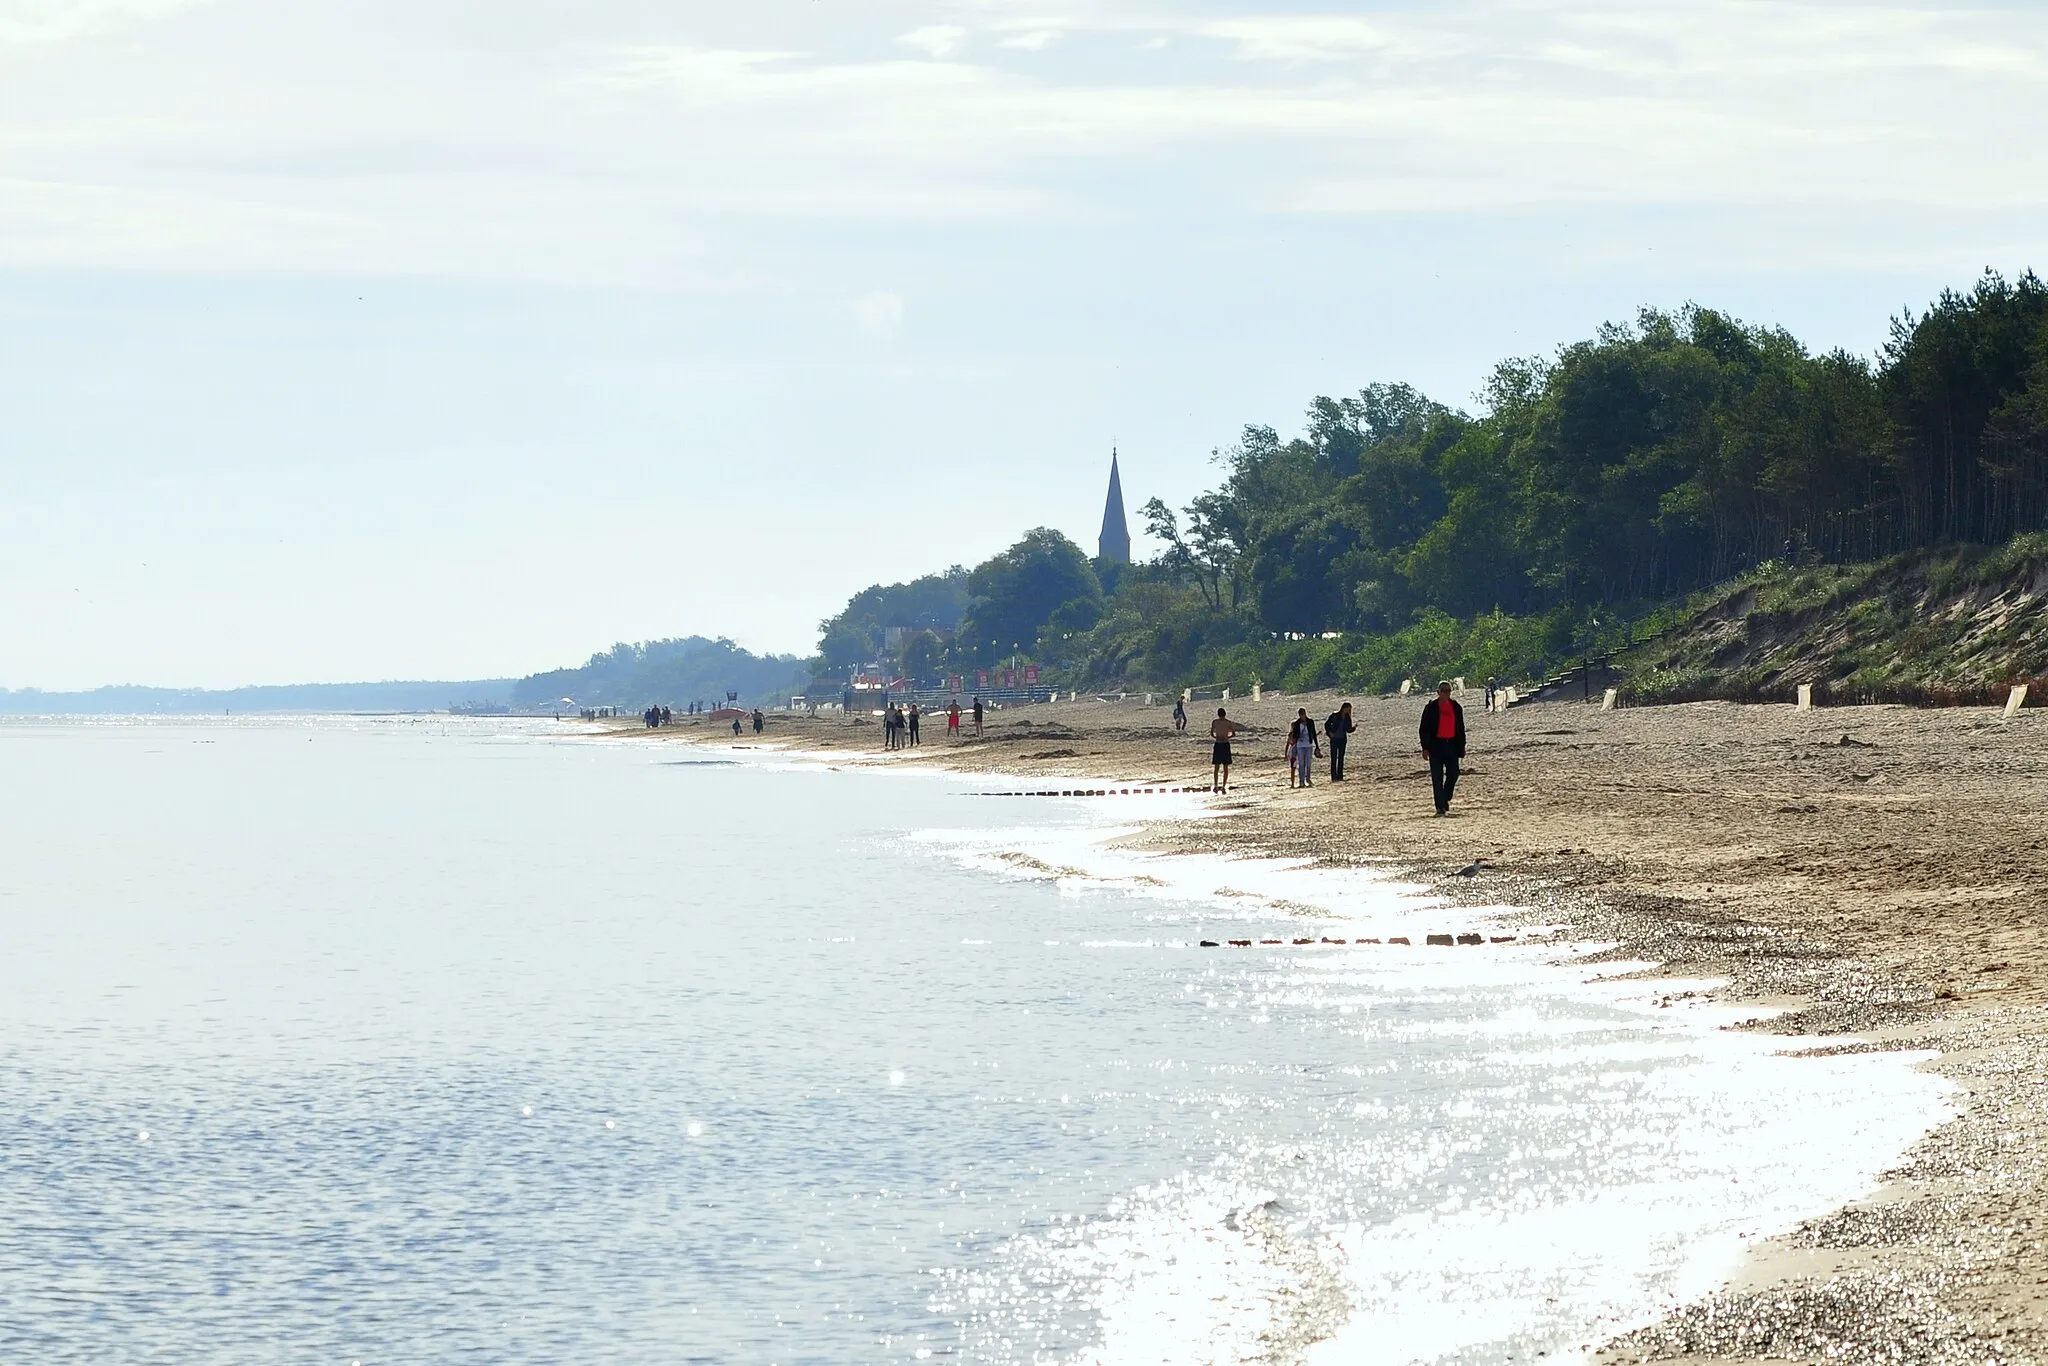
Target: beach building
(1114,544)
(893,637)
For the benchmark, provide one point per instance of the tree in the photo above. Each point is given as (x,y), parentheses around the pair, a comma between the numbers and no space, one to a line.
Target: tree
(1016,593)
(921,654)
(1652,458)
(935,602)
(1947,376)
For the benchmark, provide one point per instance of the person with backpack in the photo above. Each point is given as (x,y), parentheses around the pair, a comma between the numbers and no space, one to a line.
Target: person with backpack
(1337,730)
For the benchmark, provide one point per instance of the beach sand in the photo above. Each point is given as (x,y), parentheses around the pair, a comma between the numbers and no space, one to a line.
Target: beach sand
(1874,873)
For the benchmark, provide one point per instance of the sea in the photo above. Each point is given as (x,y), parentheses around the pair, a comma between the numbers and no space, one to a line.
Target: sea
(362,1040)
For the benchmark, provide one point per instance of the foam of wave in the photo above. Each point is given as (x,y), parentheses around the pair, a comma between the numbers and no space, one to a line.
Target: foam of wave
(1210,1267)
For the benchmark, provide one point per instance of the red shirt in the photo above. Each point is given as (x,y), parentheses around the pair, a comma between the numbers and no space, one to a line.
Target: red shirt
(1446,720)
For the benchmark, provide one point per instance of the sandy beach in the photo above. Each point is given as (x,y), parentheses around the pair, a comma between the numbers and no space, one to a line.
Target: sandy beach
(1870,873)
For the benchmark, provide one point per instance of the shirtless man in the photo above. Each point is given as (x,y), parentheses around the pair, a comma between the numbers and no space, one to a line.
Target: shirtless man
(1221,730)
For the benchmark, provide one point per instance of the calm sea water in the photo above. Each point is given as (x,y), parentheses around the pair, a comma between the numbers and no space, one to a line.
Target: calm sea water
(421,1041)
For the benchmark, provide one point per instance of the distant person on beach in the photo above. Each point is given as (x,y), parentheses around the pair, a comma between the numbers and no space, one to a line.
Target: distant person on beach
(1337,730)
(1443,739)
(1180,714)
(1301,748)
(1222,731)
(735,727)
(760,721)
(912,717)
(889,723)
(977,718)
(953,721)
(667,716)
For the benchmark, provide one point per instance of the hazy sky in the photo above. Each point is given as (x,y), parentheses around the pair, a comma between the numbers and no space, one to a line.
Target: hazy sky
(449,340)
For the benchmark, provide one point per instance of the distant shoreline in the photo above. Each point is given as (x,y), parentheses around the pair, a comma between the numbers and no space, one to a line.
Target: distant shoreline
(311,698)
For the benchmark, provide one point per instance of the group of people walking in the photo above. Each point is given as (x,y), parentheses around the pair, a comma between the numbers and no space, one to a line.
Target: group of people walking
(902,726)
(1303,747)
(1441,734)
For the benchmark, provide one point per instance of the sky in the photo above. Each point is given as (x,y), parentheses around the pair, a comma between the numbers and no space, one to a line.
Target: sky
(458,340)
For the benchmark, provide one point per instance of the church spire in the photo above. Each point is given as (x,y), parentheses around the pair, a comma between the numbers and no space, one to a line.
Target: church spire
(1114,544)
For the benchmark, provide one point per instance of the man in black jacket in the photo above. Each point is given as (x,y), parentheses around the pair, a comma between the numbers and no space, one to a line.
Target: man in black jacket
(1443,740)
(1337,729)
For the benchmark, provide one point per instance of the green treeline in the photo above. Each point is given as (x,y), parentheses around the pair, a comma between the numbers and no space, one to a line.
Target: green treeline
(1646,462)
(674,672)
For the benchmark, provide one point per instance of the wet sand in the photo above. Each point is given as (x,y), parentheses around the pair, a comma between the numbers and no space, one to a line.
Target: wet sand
(1878,874)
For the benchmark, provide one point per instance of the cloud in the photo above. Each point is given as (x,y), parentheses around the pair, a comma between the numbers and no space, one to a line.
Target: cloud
(55,21)
(934,40)
(879,314)
(1034,40)
(604,144)
(1298,38)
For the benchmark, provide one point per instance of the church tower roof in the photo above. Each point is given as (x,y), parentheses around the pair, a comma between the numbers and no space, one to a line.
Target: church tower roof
(1114,544)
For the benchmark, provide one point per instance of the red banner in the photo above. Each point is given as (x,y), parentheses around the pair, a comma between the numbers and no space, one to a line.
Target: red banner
(981,678)
(953,683)
(1030,675)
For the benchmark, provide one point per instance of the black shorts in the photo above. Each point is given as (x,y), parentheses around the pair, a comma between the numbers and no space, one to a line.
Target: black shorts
(1219,754)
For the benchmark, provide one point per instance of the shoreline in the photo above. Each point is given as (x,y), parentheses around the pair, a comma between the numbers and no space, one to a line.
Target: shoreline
(1865,871)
